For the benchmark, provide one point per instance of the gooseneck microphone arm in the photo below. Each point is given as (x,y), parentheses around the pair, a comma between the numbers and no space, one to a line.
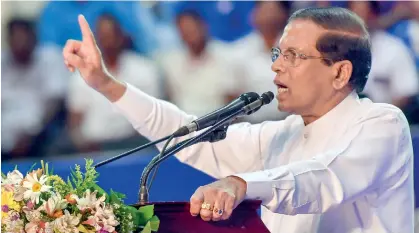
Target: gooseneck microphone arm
(266,98)
(143,193)
(130,152)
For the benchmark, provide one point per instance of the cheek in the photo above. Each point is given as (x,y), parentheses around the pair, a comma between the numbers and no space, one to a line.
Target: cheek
(307,84)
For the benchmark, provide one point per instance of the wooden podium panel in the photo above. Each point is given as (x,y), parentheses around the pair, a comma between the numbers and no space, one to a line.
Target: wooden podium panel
(175,217)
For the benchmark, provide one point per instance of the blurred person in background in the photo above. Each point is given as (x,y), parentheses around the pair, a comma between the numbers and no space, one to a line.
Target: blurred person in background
(226,20)
(91,121)
(393,77)
(58,19)
(406,26)
(33,87)
(197,78)
(164,13)
(251,55)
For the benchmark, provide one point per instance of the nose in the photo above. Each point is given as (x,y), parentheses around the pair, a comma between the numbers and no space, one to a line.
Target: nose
(278,65)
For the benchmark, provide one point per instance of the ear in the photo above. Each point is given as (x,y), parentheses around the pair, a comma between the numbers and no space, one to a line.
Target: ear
(342,73)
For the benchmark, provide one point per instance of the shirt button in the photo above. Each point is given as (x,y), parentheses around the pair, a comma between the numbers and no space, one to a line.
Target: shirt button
(306,135)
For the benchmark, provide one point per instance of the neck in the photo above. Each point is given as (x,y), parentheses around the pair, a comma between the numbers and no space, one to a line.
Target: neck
(23,61)
(111,64)
(198,50)
(270,39)
(111,59)
(321,109)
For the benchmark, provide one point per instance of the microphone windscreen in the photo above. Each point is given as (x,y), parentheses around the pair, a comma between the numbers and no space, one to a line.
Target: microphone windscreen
(267,97)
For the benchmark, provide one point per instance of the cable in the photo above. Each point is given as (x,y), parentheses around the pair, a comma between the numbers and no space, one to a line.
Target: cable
(158,157)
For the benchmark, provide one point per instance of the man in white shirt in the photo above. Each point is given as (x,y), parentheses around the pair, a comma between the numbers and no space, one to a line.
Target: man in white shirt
(339,164)
(251,55)
(197,78)
(30,97)
(393,78)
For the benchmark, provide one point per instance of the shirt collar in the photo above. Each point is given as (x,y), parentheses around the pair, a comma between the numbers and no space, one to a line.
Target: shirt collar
(344,110)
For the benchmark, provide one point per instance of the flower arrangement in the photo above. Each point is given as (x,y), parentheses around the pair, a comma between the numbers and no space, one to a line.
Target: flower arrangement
(41,202)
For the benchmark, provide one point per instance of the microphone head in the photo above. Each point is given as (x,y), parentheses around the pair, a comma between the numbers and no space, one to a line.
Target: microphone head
(249,97)
(267,97)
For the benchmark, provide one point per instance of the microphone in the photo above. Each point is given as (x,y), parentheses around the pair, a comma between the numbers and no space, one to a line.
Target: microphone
(254,106)
(213,117)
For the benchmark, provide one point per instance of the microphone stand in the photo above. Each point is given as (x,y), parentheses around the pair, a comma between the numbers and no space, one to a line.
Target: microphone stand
(130,152)
(220,133)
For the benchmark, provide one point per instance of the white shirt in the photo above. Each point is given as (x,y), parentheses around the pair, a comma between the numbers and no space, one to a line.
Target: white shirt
(198,86)
(26,92)
(100,122)
(393,71)
(349,171)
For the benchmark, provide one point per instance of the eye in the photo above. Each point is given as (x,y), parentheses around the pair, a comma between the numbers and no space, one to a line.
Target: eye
(303,56)
(274,54)
(290,55)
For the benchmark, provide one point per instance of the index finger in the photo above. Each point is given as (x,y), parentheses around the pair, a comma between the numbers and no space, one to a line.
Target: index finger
(86,33)
(196,201)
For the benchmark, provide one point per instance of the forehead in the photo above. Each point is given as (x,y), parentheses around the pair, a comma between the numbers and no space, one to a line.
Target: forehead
(301,35)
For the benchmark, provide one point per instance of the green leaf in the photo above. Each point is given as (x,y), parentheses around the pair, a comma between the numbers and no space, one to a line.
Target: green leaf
(147,228)
(137,217)
(30,169)
(69,183)
(114,198)
(42,165)
(121,196)
(154,223)
(3,176)
(146,212)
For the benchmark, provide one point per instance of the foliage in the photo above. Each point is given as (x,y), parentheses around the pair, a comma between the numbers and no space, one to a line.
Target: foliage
(43,202)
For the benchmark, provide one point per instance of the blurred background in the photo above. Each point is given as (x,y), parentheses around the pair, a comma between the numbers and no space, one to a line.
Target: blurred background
(198,55)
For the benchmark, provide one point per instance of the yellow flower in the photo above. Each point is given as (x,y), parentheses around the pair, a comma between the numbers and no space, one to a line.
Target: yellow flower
(7,203)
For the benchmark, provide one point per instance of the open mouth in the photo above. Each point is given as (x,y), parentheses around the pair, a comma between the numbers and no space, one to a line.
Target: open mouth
(282,88)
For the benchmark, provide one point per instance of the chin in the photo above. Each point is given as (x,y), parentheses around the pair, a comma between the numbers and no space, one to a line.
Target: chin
(284,108)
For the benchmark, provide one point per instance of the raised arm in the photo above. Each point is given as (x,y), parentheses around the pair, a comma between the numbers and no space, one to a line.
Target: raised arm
(153,118)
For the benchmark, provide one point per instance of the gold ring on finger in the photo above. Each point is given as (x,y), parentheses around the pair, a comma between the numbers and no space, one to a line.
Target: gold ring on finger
(218,211)
(206,206)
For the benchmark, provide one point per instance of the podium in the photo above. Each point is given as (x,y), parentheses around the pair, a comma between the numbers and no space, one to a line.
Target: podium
(175,217)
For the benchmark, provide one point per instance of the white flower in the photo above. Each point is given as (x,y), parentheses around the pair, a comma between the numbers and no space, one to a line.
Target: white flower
(39,227)
(49,228)
(33,215)
(54,203)
(116,206)
(35,187)
(89,201)
(105,217)
(67,223)
(13,178)
(19,192)
(32,227)
(13,223)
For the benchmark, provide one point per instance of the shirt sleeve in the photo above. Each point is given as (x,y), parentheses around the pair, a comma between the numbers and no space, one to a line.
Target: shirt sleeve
(373,152)
(154,119)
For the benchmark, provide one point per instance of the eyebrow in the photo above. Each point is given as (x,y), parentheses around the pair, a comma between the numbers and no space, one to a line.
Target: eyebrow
(289,48)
